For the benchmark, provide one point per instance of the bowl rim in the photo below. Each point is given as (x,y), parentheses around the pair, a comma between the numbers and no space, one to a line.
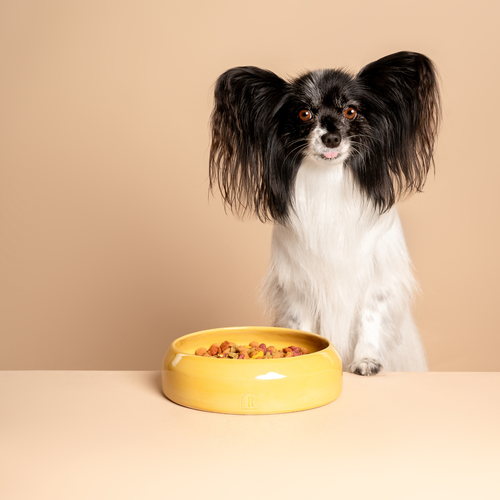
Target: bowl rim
(276,329)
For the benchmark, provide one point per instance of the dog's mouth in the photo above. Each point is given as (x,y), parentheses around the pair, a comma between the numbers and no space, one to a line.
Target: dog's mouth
(329,156)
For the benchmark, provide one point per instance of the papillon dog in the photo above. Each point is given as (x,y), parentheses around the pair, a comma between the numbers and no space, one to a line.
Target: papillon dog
(325,157)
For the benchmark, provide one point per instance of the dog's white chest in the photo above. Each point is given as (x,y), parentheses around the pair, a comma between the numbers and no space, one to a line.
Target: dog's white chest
(332,222)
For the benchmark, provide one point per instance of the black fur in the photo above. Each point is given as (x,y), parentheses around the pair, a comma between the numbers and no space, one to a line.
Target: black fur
(258,139)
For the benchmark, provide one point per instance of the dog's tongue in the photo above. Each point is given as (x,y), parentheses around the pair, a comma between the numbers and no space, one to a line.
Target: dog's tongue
(332,154)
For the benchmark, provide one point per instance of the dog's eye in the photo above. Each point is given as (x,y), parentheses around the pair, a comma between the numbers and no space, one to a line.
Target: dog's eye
(305,115)
(350,113)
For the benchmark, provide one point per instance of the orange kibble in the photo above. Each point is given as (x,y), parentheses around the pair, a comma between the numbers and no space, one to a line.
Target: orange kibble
(254,344)
(214,349)
(200,351)
(257,353)
(225,345)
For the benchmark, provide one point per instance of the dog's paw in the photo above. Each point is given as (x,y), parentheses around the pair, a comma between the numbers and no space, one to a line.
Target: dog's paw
(366,367)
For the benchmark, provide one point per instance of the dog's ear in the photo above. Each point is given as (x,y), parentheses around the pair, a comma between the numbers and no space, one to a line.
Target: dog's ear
(402,107)
(244,149)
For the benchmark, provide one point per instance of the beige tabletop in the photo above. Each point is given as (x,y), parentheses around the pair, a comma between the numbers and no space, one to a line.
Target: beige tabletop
(105,435)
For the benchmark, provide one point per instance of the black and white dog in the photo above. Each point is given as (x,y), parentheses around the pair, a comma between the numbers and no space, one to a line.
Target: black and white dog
(325,157)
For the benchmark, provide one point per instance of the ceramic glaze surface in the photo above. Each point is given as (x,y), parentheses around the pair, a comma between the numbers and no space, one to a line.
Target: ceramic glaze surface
(252,386)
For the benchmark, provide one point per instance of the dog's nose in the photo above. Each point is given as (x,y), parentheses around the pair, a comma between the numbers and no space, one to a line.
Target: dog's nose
(331,139)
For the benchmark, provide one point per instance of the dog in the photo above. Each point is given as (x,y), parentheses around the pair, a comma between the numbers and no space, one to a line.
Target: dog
(325,157)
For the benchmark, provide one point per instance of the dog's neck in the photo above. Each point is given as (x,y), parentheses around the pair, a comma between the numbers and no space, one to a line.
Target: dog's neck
(328,206)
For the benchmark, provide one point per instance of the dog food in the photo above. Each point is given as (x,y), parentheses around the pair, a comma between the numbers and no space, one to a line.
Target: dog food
(252,351)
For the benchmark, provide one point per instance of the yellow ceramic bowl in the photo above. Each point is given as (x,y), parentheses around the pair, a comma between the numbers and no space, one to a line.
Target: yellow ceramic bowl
(250,386)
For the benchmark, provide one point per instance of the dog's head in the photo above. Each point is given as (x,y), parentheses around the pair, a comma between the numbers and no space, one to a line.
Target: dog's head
(380,123)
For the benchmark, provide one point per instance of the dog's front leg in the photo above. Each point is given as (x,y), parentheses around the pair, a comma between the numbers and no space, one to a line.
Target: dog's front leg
(375,329)
(294,313)
(288,306)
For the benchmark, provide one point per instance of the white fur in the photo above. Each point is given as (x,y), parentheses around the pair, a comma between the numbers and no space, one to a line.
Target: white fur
(343,271)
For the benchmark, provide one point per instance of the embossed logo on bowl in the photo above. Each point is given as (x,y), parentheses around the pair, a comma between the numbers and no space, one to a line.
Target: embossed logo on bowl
(249,401)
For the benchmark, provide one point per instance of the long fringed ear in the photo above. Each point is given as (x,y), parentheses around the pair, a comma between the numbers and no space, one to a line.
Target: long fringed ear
(245,153)
(401,105)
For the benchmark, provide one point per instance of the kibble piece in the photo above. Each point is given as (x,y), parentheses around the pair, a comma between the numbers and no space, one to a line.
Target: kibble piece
(257,353)
(200,351)
(224,345)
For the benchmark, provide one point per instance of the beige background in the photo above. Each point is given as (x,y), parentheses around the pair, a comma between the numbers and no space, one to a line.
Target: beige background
(110,245)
